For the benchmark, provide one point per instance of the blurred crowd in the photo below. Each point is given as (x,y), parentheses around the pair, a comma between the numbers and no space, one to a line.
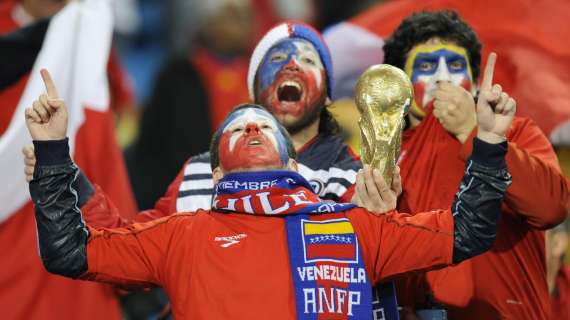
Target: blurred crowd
(176,68)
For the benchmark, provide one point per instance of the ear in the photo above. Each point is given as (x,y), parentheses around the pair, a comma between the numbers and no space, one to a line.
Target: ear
(217,174)
(292,165)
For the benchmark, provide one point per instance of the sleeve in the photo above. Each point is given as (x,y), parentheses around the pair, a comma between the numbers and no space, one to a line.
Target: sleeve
(133,256)
(68,247)
(539,192)
(399,243)
(100,209)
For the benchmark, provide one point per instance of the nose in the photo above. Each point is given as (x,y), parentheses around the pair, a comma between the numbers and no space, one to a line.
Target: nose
(252,129)
(292,65)
(442,73)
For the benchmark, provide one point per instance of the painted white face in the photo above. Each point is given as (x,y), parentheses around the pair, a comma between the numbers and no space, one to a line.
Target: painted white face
(428,64)
(251,138)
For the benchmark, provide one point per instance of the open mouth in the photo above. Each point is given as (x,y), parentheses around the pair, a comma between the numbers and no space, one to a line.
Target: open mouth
(289,91)
(254,142)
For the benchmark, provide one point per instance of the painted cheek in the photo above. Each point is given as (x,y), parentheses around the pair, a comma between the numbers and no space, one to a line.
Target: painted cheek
(244,156)
(267,75)
(315,84)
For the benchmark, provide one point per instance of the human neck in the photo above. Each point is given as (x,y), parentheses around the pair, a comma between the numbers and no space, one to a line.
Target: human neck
(305,135)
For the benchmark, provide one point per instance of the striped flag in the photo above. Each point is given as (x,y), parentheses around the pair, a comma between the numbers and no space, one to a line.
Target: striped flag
(74,46)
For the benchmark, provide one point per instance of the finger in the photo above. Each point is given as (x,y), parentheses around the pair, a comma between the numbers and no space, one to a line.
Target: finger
(55,103)
(29,170)
(487,81)
(44,100)
(28,151)
(444,95)
(502,102)
(29,178)
(49,84)
(387,195)
(510,107)
(396,181)
(361,187)
(381,185)
(374,196)
(32,115)
(356,200)
(30,161)
(41,111)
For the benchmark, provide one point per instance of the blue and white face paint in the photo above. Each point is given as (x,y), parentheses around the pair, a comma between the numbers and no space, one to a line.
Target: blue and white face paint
(427,64)
(252,139)
(291,80)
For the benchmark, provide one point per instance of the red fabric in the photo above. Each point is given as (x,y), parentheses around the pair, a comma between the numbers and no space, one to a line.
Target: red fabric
(225,81)
(28,291)
(508,281)
(257,267)
(530,38)
(561,297)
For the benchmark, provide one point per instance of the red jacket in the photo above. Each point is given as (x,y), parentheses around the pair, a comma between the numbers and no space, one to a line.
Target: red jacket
(252,278)
(509,282)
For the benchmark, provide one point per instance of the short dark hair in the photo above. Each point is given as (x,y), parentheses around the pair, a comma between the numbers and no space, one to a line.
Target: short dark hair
(215,142)
(422,26)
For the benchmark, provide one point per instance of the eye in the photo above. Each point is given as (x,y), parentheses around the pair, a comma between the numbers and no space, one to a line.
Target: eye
(278,57)
(308,60)
(237,130)
(457,65)
(426,66)
(266,126)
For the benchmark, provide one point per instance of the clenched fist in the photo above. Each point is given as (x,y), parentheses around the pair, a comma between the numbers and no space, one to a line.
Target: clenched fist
(47,118)
(454,108)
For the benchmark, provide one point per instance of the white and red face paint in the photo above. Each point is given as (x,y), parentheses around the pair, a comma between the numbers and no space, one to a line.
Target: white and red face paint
(251,139)
(427,64)
(291,80)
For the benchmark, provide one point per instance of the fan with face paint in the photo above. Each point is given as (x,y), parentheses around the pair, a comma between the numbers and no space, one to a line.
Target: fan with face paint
(251,139)
(291,83)
(432,62)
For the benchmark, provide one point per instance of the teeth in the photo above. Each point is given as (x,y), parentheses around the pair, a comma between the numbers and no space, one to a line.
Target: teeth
(290,83)
(254,143)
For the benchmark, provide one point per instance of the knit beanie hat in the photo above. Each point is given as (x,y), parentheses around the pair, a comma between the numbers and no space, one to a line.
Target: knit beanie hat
(290,30)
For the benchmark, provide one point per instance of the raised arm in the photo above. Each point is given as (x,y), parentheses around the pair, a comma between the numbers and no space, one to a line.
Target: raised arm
(58,190)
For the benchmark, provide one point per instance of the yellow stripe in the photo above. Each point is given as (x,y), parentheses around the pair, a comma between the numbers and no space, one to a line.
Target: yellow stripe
(328,228)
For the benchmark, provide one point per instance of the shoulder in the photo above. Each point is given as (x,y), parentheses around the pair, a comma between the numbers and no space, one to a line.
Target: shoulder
(329,151)
(199,164)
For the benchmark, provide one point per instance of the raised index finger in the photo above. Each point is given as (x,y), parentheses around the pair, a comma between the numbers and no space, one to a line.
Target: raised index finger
(487,82)
(50,85)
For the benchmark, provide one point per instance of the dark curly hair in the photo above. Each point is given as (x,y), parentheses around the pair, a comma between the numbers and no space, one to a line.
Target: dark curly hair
(422,26)
(215,142)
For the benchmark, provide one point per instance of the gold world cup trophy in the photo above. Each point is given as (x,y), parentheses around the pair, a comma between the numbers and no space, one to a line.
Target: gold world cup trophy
(383,96)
